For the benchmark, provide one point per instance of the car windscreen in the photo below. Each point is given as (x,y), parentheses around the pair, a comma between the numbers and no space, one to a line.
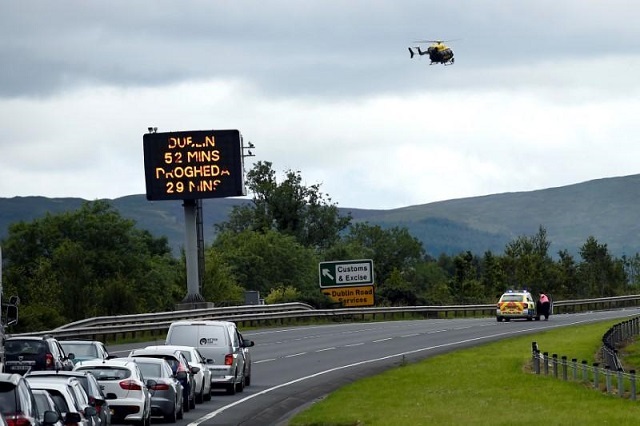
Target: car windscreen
(25,347)
(149,370)
(8,402)
(107,373)
(59,400)
(512,298)
(80,349)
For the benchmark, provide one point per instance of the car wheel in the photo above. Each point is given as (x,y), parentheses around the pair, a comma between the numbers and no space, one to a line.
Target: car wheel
(231,389)
(240,385)
(247,380)
(200,395)
(171,417)
(192,400)
(207,395)
(180,414)
(185,405)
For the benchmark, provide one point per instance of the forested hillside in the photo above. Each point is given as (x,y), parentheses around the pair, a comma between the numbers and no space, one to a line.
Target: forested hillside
(604,208)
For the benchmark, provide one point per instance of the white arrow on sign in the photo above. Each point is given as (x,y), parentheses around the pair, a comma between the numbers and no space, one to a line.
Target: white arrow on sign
(325,272)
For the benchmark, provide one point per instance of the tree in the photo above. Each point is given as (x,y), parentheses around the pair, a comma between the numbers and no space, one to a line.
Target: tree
(389,249)
(289,207)
(74,261)
(261,261)
(599,274)
(527,263)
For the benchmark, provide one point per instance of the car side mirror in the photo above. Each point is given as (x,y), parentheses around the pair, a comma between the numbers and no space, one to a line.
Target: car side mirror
(110,395)
(151,383)
(71,356)
(72,418)
(51,417)
(195,370)
(247,343)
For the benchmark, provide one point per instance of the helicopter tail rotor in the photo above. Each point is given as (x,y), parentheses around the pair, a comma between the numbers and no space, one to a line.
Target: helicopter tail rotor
(411,52)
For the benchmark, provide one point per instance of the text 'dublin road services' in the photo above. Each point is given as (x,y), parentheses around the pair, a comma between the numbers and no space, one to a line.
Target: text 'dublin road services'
(346,273)
(351,296)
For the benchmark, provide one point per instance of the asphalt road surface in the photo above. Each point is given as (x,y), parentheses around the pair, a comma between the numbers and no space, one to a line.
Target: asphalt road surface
(293,367)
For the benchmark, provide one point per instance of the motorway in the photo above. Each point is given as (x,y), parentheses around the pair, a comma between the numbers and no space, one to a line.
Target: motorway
(295,366)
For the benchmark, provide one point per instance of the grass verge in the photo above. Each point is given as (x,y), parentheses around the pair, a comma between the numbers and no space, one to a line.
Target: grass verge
(488,385)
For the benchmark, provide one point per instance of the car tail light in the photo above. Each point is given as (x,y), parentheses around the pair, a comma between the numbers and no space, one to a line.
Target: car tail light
(48,360)
(17,420)
(130,385)
(160,386)
(228,359)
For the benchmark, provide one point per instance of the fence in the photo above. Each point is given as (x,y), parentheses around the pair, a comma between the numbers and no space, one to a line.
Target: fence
(608,376)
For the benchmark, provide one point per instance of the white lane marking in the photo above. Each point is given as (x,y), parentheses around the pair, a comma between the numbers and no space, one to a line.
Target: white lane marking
(411,335)
(369,361)
(354,344)
(294,355)
(264,360)
(326,349)
(382,340)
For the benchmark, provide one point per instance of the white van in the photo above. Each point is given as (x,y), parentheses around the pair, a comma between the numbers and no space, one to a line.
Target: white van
(221,342)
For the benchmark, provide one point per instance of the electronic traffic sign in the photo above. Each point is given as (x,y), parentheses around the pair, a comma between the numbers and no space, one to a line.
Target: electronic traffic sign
(192,165)
(346,273)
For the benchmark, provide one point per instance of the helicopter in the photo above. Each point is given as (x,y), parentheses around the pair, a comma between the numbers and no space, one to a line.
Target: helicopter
(438,52)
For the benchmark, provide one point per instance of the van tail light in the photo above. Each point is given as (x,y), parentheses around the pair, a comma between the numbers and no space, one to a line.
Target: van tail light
(228,359)
(17,420)
(48,360)
(131,385)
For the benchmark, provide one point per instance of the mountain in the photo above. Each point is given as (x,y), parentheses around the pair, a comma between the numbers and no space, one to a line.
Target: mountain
(603,208)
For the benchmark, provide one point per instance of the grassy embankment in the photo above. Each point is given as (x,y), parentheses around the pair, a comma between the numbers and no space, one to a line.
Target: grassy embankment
(488,385)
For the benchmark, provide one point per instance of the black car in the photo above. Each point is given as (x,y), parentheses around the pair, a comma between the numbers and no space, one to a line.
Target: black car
(90,384)
(18,405)
(23,354)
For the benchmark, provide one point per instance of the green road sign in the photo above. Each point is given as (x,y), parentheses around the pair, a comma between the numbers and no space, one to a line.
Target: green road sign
(346,273)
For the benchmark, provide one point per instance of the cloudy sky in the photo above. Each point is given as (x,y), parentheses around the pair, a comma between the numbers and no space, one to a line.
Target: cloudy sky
(542,94)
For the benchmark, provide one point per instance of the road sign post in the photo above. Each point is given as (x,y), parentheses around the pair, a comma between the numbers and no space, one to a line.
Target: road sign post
(345,273)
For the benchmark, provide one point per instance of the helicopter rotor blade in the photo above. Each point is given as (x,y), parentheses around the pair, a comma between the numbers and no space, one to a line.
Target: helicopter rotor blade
(436,41)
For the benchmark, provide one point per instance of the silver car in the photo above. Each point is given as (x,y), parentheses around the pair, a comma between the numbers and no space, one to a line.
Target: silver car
(166,391)
(45,402)
(70,398)
(202,378)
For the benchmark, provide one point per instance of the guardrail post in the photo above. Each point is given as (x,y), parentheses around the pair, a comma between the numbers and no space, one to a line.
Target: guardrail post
(620,382)
(545,360)
(574,366)
(535,355)
(607,376)
(596,379)
(632,374)
(564,368)
(555,365)
(585,374)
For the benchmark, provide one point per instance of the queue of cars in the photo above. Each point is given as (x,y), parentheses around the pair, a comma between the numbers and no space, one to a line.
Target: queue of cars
(54,383)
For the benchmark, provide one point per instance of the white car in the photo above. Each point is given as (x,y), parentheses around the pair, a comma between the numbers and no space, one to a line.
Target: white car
(70,398)
(125,388)
(202,377)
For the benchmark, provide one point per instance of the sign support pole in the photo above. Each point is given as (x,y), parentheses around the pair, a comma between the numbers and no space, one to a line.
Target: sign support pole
(191,253)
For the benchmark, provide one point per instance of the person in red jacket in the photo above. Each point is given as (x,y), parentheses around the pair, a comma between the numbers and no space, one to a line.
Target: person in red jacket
(544,304)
